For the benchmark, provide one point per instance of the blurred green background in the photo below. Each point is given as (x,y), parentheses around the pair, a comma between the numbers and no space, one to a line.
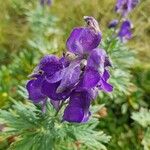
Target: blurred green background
(14,27)
(29,31)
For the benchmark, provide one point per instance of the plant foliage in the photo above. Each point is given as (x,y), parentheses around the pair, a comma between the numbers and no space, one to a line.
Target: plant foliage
(31,129)
(143,118)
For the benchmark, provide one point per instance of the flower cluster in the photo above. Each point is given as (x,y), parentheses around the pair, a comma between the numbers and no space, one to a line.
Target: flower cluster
(124,7)
(74,78)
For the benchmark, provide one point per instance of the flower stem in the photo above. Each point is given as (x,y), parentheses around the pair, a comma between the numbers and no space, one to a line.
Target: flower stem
(114,33)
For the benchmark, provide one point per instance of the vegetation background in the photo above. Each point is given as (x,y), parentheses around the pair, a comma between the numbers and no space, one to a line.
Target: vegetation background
(28,31)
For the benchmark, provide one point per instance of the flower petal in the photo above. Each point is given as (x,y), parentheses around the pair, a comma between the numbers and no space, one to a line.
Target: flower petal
(34,90)
(56,76)
(50,64)
(90,78)
(106,87)
(106,75)
(49,89)
(72,43)
(83,40)
(78,108)
(73,114)
(96,59)
(70,77)
(64,61)
(125,31)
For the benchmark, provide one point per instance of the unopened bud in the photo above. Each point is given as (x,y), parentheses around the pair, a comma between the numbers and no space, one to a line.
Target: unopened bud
(92,23)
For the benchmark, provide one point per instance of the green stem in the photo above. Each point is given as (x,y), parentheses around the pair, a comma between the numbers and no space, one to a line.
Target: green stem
(114,34)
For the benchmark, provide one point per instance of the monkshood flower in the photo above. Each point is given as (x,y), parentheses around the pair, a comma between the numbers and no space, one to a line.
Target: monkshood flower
(113,23)
(125,6)
(39,88)
(76,77)
(45,2)
(125,31)
(84,39)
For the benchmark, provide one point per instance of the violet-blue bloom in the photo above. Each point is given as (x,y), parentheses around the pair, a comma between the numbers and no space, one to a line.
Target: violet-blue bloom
(78,108)
(125,6)
(82,40)
(75,77)
(125,31)
(95,74)
(95,77)
(34,90)
(38,87)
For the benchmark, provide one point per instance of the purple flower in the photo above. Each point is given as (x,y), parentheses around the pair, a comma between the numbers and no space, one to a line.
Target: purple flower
(125,31)
(125,6)
(39,88)
(95,72)
(95,76)
(83,40)
(75,77)
(78,108)
(34,90)
(113,23)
